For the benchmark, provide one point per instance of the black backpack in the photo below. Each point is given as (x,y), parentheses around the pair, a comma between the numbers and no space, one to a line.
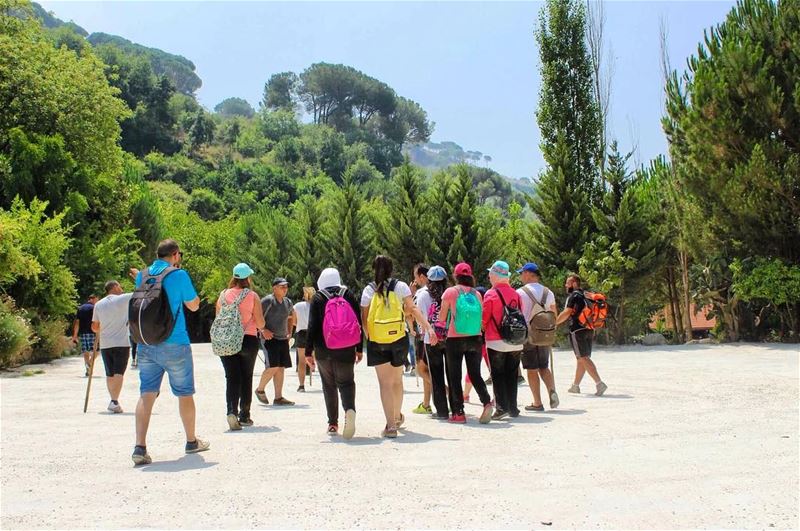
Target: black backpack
(149,315)
(513,328)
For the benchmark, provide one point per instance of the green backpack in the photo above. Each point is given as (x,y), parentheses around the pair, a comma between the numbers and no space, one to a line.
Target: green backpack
(468,313)
(227,332)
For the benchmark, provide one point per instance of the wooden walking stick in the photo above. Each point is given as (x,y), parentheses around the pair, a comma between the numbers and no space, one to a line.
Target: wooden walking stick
(91,371)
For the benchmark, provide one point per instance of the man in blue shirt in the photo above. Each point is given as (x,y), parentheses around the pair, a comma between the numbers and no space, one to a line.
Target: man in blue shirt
(173,356)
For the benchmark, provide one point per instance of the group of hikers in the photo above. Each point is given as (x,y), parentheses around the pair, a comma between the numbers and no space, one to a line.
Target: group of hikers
(445,324)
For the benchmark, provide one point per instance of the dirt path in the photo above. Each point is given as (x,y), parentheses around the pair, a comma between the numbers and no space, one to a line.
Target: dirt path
(703,436)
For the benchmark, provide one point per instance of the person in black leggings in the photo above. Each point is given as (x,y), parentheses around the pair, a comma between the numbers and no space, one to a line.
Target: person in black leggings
(239,367)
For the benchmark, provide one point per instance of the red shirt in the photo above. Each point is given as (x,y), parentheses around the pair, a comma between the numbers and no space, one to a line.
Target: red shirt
(493,308)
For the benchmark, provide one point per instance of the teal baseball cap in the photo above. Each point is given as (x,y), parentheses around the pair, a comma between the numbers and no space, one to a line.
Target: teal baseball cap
(500,269)
(242,271)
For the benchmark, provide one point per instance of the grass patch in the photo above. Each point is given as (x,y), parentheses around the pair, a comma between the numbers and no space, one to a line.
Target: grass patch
(32,372)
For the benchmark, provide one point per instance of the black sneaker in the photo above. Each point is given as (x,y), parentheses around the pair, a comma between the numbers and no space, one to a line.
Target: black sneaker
(514,414)
(245,420)
(140,456)
(499,414)
(301,389)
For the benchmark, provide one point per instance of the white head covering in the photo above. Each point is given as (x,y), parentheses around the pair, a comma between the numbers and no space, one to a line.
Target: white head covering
(329,277)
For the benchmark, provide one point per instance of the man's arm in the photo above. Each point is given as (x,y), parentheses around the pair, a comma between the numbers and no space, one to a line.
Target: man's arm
(291,322)
(192,305)
(563,316)
(75,325)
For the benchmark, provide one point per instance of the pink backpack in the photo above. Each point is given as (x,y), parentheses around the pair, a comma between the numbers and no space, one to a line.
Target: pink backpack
(340,327)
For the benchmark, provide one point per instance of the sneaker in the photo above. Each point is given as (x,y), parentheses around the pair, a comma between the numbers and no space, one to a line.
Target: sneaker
(134,364)
(412,372)
(422,409)
(86,374)
(466,398)
(198,445)
(233,422)
(333,429)
(499,414)
(140,456)
(282,402)
(301,389)
(443,416)
(486,415)
(574,389)
(401,420)
(601,388)
(514,414)
(554,401)
(245,421)
(488,381)
(349,424)
(534,408)
(520,380)
(262,397)
(389,433)
(458,419)
(114,408)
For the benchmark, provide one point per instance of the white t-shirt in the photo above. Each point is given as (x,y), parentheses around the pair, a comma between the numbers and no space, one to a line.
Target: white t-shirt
(423,300)
(401,289)
(112,314)
(527,303)
(301,309)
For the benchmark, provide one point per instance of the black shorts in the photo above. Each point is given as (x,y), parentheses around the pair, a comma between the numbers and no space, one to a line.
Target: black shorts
(300,339)
(535,357)
(581,341)
(395,353)
(115,359)
(278,353)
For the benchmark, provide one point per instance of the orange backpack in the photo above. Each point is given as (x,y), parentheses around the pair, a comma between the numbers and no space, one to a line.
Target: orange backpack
(595,310)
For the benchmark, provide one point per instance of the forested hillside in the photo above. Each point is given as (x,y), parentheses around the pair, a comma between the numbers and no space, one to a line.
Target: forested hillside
(104,150)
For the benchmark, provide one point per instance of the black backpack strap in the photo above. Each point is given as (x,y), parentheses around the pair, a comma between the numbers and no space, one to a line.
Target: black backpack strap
(342,291)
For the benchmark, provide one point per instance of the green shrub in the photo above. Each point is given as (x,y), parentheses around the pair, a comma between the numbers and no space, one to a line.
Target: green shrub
(16,335)
(51,343)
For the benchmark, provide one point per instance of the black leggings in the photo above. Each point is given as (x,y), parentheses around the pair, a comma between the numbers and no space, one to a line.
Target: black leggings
(434,358)
(468,349)
(239,377)
(337,378)
(504,367)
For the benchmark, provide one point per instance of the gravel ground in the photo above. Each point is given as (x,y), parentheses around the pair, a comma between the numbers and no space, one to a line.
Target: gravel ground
(686,437)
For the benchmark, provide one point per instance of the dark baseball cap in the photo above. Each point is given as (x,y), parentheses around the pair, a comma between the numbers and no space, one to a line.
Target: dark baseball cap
(280,281)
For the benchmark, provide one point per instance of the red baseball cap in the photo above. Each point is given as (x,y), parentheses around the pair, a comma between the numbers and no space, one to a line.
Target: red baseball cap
(463,269)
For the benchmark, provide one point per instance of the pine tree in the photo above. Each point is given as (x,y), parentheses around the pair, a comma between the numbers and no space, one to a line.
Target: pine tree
(463,222)
(311,253)
(349,235)
(270,239)
(437,202)
(563,213)
(406,238)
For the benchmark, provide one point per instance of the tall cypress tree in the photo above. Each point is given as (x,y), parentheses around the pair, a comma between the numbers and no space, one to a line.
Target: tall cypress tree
(463,222)
(311,254)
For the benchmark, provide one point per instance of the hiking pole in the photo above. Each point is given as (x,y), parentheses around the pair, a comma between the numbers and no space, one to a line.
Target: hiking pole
(91,371)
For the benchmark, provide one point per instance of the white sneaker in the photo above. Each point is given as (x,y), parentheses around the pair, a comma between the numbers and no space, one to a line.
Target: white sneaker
(349,424)
(601,388)
(574,389)
(554,401)
(114,408)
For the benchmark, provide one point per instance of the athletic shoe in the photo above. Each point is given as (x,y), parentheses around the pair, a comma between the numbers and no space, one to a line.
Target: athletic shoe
(499,414)
(514,414)
(601,388)
(422,409)
(458,419)
(488,381)
(301,389)
(412,372)
(262,397)
(114,408)
(554,401)
(140,456)
(233,422)
(437,416)
(134,364)
(520,380)
(389,433)
(486,415)
(401,420)
(534,408)
(86,374)
(282,402)
(349,424)
(333,429)
(245,421)
(574,389)
(466,398)
(198,445)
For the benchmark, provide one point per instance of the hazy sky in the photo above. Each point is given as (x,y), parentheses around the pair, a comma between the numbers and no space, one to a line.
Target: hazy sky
(472,66)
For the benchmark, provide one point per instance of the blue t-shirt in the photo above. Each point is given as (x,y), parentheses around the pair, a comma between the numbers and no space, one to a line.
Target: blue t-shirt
(179,290)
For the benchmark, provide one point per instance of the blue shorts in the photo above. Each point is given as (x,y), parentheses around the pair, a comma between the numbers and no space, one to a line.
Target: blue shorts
(175,360)
(87,342)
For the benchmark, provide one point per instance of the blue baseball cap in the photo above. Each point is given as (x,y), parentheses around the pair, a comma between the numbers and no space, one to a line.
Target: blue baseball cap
(242,271)
(437,273)
(530,267)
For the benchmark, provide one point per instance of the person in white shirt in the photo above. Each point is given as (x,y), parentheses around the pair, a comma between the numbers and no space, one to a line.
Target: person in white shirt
(536,359)
(301,334)
(110,322)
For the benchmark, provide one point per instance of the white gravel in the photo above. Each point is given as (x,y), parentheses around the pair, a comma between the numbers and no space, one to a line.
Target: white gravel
(687,437)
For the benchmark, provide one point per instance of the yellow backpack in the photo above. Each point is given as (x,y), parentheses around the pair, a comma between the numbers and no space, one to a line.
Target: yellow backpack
(386,319)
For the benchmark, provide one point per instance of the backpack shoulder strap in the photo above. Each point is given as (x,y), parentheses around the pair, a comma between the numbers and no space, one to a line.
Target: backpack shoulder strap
(342,291)
(241,297)
(502,299)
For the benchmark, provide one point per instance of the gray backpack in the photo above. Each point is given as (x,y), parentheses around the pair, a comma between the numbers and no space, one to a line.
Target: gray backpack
(227,332)
(542,325)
